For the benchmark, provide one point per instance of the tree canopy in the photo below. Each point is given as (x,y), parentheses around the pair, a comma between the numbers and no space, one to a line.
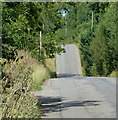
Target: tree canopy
(23,21)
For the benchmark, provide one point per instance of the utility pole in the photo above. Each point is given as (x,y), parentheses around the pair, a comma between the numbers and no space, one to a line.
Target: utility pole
(40,42)
(92,22)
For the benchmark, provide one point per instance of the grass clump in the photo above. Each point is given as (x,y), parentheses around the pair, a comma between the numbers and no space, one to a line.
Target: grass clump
(51,66)
(39,75)
(17,100)
(43,72)
(114,74)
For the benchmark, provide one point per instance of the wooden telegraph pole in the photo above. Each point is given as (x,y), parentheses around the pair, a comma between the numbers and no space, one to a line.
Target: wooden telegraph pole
(40,42)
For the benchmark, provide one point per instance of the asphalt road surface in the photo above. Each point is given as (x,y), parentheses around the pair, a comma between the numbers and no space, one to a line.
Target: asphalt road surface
(73,96)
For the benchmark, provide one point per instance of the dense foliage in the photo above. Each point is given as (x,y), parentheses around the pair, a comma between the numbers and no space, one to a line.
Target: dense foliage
(98,40)
(22,23)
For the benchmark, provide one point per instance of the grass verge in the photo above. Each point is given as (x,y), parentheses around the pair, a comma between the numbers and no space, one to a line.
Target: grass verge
(43,72)
(114,74)
(20,78)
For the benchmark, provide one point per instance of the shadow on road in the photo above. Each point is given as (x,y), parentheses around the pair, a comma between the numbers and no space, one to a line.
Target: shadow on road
(67,75)
(51,104)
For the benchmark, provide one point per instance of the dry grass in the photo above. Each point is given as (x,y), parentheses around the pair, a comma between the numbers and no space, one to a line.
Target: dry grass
(18,102)
(40,73)
(23,76)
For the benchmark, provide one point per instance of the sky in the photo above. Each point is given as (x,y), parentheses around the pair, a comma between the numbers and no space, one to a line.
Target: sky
(63,13)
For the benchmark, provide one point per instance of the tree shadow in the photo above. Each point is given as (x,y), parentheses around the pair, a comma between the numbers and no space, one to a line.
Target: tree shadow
(56,104)
(67,75)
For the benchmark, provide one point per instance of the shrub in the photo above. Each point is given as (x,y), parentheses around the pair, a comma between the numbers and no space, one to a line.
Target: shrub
(18,102)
